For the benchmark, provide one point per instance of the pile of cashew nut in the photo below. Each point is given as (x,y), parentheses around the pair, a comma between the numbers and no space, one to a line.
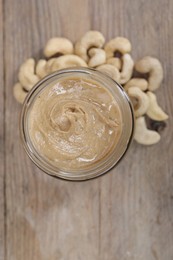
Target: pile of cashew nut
(112,58)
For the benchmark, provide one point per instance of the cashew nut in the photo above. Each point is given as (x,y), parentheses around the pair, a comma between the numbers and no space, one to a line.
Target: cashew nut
(41,68)
(27,76)
(154,68)
(154,111)
(90,39)
(98,57)
(65,61)
(140,101)
(127,68)
(143,135)
(19,92)
(58,45)
(115,62)
(119,44)
(110,70)
(137,82)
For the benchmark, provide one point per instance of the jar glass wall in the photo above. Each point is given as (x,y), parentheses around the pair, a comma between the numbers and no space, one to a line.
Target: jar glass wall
(106,163)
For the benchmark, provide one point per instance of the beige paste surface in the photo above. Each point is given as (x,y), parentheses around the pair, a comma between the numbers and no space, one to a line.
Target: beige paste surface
(75,123)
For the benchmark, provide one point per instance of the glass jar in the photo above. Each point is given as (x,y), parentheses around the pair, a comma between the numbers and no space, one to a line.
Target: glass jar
(118,151)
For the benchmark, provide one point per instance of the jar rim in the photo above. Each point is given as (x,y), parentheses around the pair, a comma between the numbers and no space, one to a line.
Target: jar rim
(74,175)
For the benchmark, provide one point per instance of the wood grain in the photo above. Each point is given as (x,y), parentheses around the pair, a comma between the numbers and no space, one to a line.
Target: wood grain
(2,151)
(126,214)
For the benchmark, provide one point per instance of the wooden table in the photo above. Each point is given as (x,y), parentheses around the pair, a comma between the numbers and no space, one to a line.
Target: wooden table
(126,214)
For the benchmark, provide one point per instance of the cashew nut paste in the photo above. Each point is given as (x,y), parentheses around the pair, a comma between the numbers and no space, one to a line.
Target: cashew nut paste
(75,123)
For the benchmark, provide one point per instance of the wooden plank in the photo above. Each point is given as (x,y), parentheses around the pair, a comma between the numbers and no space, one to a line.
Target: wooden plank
(137,197)
(47,218)
(126,214)
(2,158)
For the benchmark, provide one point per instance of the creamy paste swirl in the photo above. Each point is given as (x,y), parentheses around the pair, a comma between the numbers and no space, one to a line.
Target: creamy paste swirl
(75,123)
